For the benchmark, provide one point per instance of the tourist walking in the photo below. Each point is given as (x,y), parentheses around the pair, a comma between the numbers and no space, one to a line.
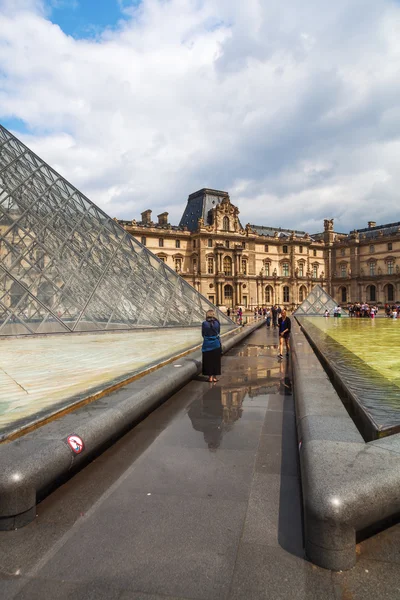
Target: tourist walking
(284,333)
(211,349)
(275,315)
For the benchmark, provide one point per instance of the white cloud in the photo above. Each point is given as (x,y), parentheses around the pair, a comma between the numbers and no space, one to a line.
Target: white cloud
(293,108)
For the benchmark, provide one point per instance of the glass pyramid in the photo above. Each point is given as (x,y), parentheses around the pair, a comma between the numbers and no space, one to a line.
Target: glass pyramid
(65,266)
(316,303)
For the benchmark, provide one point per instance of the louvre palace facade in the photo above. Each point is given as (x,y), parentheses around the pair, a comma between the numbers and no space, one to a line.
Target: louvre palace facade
(253,265)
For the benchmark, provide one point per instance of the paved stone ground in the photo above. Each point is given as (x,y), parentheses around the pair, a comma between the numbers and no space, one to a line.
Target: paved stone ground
(200,501)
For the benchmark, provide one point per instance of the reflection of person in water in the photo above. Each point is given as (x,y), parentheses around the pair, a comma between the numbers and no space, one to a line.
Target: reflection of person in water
(213,416)
(285,384)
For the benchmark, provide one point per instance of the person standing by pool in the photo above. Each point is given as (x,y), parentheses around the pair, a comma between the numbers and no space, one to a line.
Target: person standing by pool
(211,349)
(284,333)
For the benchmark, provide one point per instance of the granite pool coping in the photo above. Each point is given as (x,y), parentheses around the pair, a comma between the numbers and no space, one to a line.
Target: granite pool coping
(348,484)
(35,463)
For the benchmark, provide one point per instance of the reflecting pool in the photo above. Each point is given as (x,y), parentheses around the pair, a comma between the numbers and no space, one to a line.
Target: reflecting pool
(365,355)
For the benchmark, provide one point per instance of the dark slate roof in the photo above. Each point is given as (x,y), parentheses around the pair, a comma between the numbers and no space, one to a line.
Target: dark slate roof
(199,205)
(373,232)
(270,231)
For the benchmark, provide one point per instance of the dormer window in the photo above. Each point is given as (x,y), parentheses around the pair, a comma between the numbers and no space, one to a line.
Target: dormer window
(285,249)
(225,224)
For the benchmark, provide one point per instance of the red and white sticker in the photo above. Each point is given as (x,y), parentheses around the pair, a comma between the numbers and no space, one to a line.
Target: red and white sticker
(75,443)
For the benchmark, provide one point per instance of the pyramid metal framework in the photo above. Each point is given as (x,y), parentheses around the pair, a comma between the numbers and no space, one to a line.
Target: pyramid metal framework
(65,266)
(316,303)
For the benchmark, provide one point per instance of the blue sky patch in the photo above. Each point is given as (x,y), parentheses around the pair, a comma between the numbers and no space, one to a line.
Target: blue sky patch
(88,18)
(15,124)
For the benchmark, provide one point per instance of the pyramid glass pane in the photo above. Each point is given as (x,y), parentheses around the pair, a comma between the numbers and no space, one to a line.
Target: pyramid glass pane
(68,267)
(316,303)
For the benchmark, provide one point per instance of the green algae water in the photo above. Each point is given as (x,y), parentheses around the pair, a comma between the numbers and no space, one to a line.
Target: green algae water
(365,354)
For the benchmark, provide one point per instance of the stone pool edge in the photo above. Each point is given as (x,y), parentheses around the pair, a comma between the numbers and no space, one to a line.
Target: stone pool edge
(347,484)
(31,464)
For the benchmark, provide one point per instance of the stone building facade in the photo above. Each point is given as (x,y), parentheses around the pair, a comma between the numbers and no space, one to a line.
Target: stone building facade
(253,265)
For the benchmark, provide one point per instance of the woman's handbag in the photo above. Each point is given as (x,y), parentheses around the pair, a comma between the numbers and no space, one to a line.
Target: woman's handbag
(218,337)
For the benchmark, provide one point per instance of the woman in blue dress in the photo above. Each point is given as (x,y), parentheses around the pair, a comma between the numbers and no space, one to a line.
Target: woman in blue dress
(211,349)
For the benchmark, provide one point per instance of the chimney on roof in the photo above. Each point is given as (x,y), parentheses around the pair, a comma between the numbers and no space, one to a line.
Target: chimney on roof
(371,224)
(163,218)
(146,216)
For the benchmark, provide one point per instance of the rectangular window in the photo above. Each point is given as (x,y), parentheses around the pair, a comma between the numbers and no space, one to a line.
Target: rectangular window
(285,269)
(211,299)
(267,267)
(315,271)
(284,250)
(210,246)
(178,265)
(177,243)
(343,251)
(314,252)
(266,248)
(244,267)
(372,248)
(195,264)
(210,266)
(390,267)
(143,241)
(286,294)
(343,270)
(161,242)
(162,258)
(301,270)
(194,243)
(372,268)
(301,249)
(390,246)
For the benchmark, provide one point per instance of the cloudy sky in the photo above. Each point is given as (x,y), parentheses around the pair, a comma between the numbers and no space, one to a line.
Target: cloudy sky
(292,107)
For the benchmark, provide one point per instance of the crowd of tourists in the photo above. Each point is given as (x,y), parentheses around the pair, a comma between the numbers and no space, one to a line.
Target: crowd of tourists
(360,310)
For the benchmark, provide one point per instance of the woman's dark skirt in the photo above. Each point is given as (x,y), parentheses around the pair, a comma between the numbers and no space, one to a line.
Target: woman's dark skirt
(212,362)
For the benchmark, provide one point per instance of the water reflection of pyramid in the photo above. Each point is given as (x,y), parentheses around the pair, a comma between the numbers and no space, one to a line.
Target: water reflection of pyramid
(67,267)
(316,303)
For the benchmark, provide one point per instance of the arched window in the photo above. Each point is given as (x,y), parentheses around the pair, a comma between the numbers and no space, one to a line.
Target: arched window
(225,224)
(228,265)
(228,295)
(371,292)
(45,294)
(286,295)
(343,294)
(269,294)
(302,293)
(210,265)
(389,292)
(16,293)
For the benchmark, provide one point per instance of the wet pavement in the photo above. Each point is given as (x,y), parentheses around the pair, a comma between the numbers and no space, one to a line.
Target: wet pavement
(201,501)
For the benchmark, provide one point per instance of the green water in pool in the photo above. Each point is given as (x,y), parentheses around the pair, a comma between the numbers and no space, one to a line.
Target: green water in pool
(375,341)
